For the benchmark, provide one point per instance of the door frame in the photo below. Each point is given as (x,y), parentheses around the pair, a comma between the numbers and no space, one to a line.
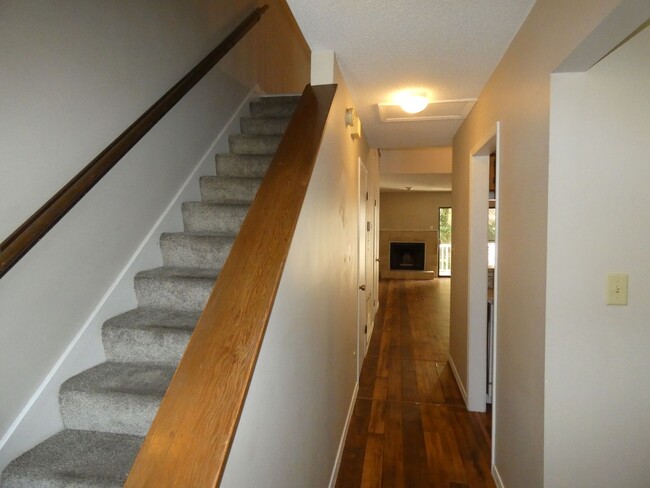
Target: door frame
(477,278)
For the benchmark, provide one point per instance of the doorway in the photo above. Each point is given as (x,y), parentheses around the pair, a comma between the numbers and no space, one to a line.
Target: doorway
(483,278)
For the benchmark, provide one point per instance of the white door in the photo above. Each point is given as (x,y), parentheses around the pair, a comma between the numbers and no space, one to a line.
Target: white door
(362,288)
(375,264)
(370,275)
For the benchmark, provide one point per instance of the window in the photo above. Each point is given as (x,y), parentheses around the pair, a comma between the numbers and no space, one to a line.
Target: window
(444,241)
(492,234)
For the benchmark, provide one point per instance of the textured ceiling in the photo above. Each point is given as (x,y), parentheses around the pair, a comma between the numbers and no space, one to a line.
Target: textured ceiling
(447,47)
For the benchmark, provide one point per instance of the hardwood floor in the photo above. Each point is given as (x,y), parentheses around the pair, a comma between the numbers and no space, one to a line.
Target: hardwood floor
(410,428)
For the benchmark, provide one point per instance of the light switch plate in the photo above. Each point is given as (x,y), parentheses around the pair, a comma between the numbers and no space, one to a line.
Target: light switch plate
(617,289)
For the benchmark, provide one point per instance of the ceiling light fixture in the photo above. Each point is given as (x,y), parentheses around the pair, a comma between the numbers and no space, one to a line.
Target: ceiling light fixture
(414,104)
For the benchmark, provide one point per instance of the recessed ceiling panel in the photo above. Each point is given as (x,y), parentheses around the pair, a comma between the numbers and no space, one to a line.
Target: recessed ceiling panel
(439,110)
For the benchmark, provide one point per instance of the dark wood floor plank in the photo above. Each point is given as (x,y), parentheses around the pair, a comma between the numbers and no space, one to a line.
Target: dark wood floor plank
(447,459)
(351,467)
(393,467)
(448,384)
(372,463)
(410,427)
(368,377)
(416,472)
(394,379)
(429,388)
(474,451)
(377,418)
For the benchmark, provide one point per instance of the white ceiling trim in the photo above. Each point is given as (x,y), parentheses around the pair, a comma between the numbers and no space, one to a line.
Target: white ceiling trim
(437,110)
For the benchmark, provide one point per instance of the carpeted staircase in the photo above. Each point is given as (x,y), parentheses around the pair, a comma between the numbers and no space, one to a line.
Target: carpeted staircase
(107,410)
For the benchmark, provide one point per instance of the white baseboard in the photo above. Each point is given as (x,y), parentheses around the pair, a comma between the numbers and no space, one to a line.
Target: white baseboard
(497,477)
(40,418)
(339,454)
(461,386)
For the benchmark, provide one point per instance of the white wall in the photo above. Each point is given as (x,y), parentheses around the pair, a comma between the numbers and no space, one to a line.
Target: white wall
(518,96)
(73,76)
(293,420)
(597,427)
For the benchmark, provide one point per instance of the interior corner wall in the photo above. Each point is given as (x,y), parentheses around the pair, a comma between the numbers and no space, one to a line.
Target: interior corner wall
(417,160)
(323,67)
(597,427)
(274,55)
(302,388)
(415,210)
(75,75)
(517,95)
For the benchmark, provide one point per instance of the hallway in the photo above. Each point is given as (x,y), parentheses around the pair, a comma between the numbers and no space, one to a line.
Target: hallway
(410,428)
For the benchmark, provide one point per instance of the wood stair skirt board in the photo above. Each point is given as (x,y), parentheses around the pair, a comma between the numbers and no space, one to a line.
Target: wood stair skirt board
(108,409)
(430,239)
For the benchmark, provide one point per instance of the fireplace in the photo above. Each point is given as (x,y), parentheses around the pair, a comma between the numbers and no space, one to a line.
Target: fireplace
(407,256)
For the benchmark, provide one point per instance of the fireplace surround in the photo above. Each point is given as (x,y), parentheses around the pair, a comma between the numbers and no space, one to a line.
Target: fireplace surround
(408,256)
(427,237)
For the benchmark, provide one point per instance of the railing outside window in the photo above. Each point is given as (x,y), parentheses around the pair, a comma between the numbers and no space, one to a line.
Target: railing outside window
(444,267)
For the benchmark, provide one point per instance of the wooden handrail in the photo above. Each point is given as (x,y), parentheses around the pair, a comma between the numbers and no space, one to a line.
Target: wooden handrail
(14,247)
(190,438)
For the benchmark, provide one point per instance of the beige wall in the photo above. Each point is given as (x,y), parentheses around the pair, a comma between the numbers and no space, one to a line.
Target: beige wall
(75,75)
(414,210)
(517,95)
(274,55)
(421,160)
(303,385)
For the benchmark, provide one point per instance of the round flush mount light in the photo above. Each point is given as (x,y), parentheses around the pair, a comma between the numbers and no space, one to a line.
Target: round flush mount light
(414,104)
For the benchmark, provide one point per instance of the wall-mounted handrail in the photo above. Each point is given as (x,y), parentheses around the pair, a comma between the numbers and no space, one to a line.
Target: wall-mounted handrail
(14,247)
(191,436)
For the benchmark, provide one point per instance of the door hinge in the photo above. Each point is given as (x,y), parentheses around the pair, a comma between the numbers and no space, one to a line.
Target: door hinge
(366,196)
(365,329)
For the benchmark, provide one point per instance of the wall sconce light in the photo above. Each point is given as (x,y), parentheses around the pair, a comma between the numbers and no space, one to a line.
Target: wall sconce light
(352,120)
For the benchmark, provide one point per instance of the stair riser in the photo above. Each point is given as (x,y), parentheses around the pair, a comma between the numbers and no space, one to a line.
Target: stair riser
(264,126)
(253,144)
(153,345)
(273,108)
(229,190)
(179,294)
(192,251)
(236,165)
(220,219)
(115,413)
